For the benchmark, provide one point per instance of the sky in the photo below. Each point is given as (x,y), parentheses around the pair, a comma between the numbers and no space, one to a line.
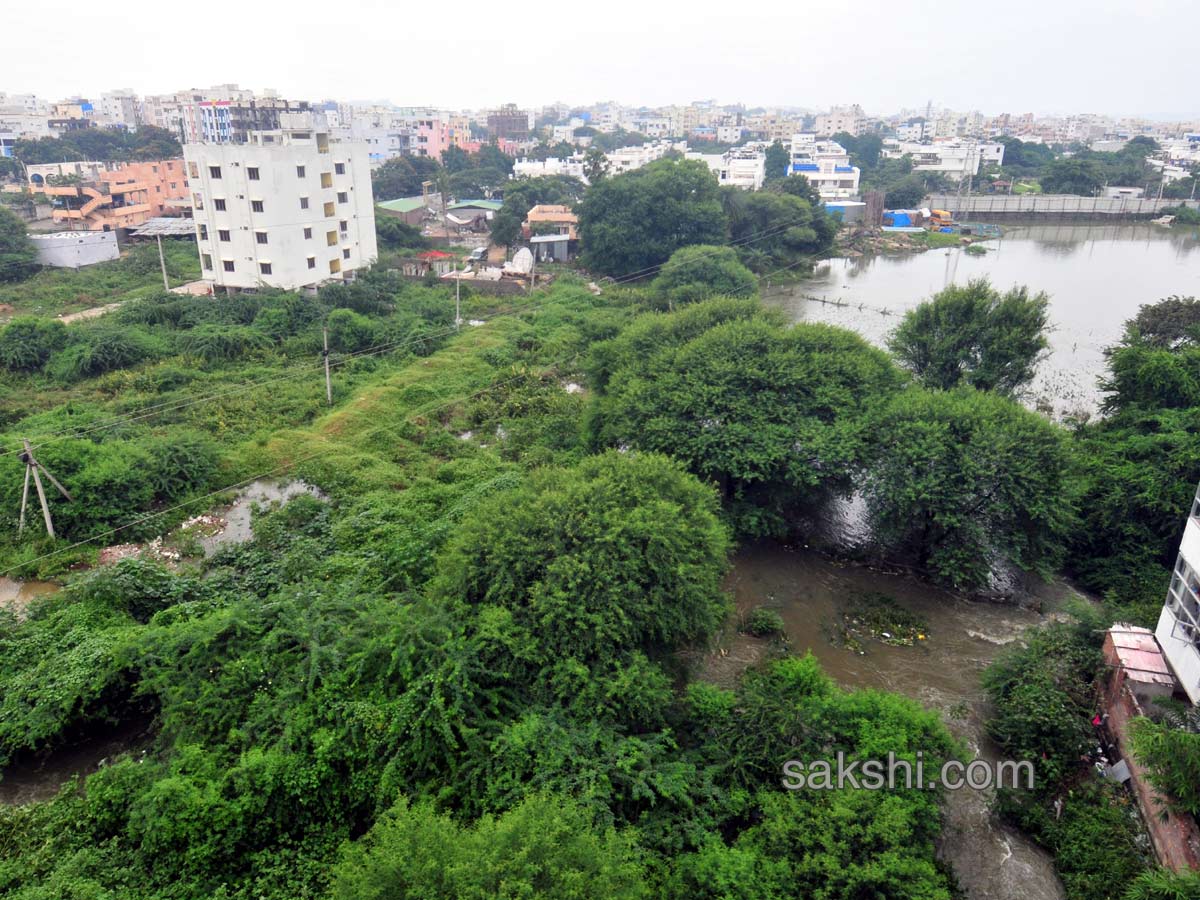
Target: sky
(1132,57)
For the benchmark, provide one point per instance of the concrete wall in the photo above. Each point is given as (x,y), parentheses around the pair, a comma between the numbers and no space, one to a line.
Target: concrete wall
(1056,205)
(1173,835)
(72,249)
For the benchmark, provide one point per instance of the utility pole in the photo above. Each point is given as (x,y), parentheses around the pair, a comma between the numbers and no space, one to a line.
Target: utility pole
(457,298)
(325,354)
(162,263)
(32,467)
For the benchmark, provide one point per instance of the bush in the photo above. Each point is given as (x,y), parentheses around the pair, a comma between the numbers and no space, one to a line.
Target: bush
(764,622)
(103,350)
(221,343)
(27,343)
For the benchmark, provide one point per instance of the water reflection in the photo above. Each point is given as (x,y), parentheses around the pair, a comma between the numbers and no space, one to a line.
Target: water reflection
(1096,275)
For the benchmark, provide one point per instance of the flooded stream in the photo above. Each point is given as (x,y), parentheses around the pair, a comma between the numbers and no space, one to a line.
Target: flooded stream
(991,861)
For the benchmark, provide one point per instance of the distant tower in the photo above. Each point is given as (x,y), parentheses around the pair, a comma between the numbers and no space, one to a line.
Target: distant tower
(929,110)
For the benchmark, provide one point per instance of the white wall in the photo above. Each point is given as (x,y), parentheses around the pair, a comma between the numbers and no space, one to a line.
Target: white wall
(73,249)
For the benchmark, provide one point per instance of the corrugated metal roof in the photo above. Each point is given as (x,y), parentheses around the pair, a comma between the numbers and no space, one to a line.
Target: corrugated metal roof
(402,204)
(1139,654)
(166,226)
(477,204)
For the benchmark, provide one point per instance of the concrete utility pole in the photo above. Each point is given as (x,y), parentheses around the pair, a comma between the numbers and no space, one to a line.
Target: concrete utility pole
(162,264)
(32,467)
(325,354)
(457,298)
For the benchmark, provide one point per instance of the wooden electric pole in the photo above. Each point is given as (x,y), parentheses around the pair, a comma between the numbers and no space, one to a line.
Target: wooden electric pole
(32,468)
(325,353)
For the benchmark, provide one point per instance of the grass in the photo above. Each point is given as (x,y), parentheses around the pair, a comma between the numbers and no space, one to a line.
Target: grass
(55,292)
(935,240)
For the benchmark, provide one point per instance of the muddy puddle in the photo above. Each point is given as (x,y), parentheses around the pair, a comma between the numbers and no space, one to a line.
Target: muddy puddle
(16,595)
(941,671)
(232,524)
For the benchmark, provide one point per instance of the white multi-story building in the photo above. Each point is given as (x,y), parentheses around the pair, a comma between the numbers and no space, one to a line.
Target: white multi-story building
(572,166)
(826,165)
(626,159)
(743,167)
(289,209)
(1178,630)
(120,108)
(955,159)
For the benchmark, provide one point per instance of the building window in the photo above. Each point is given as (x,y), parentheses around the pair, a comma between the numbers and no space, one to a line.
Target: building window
(326,179)
(312,262)
(343,225)
(308,234)
(299,171)
(193,170)
(304,203)
(256,206)
(340,168)
(222,234)
(219,205)
(203,232)
(252,173)
(343,197)
(214,171)
(330,209)
(264,268)
(227,265)
(331,239)
(197,201)
(346,253)
(173,185)
(206,261)
(260,237)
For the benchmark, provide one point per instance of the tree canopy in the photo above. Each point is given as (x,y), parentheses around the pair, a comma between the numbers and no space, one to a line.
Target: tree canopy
(964,480)
(632,222)
(18,257)
(699,272)
(772,415)
(975,335)
(147,142)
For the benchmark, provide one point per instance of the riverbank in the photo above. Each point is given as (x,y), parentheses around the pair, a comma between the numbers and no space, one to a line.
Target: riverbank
(864,242)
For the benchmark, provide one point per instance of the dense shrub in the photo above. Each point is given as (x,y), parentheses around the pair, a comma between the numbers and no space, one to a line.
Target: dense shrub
(27,343)
(104,349)
(221,343)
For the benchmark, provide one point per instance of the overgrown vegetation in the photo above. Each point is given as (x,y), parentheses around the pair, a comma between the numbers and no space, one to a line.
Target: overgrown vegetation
(463,671)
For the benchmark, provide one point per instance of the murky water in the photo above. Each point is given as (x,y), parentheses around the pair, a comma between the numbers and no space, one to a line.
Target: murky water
(16,595)
(238,516)
(810,591)
(1096,275)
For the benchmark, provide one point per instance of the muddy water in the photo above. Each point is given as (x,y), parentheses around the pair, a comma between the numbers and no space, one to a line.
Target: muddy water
(991,861)
(238,516)
(16,595)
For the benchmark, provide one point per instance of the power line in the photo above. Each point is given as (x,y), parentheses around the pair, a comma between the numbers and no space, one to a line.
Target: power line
(275,471)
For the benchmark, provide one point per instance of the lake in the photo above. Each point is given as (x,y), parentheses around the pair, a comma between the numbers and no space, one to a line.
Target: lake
(1096,275)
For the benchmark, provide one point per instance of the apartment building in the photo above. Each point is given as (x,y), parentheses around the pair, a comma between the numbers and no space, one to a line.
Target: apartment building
(289,209)
(1178,630)
(103,197)
(744,167)
(848,119)
(955,159)
(826,164)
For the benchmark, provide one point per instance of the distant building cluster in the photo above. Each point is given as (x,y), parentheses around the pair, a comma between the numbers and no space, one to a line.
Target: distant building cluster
(278,190)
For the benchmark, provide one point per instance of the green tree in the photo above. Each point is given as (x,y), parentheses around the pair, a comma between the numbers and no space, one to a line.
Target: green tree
(699,272)
(403,176)
(1072,175)
(772,415)
(18,257)
(1170,750)
(775,228)
(635,221)
(394,233)
(961,479)
(778,161)
(595,165)
(974,335)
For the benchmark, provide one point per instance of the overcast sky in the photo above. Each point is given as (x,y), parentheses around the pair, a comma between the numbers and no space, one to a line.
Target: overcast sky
(1133,57)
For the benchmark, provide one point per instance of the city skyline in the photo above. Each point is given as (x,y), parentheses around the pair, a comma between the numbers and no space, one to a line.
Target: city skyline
(1033,58)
